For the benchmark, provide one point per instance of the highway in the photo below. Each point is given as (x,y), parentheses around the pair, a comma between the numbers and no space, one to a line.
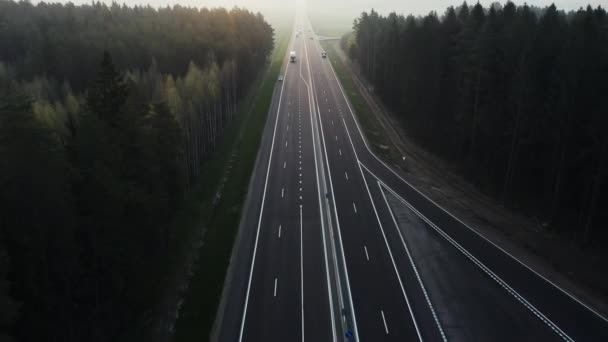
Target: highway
(335,245)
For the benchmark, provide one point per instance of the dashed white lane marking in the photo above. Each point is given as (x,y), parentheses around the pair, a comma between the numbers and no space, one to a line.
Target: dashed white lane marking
(332,122)
(340,151)
(426,296)
(287,128)
(285,143)
(366,255)
(284,164)
(336,138)
(282,192)
(346,175)
(279,231)
(384,321)
(355,207)
(275,287)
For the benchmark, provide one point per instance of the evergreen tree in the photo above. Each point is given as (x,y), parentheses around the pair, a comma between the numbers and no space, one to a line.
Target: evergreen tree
(511,95)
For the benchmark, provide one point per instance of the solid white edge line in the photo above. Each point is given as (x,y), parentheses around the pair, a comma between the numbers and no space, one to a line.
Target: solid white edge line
(257,234)
(310,92)
(449,213)
(384,236)
(482,266)
(407,250)
(333,197)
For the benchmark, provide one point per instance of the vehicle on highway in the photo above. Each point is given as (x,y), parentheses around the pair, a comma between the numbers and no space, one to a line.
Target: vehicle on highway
(292,56)
(280,78)
(324,54)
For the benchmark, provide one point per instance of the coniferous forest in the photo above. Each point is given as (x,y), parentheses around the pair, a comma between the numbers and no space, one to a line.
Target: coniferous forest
(514,96)
(107,115)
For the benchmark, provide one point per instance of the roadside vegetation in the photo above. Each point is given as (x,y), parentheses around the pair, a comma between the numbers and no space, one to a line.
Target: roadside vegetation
(374,133)
(513,96)
(109,120)
(230,167)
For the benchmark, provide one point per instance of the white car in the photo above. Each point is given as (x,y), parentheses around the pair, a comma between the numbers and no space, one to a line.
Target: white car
(280,78)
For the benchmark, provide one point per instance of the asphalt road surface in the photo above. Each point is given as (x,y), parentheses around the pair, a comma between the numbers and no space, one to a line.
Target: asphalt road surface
(335,246)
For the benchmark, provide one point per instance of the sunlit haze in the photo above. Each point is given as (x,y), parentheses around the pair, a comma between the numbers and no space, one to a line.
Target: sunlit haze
(416,7)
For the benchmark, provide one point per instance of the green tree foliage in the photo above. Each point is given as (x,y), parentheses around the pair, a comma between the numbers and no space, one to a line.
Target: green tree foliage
(107,116)
(514,96)
(65,41)
(37,219)
(9,308)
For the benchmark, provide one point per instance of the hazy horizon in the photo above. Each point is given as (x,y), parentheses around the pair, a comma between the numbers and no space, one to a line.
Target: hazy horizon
(350,7)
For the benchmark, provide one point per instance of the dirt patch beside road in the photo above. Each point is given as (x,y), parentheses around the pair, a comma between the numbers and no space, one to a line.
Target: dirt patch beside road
(578,271)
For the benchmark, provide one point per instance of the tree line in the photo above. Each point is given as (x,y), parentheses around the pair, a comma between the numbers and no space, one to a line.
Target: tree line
(107,116)
(513,96)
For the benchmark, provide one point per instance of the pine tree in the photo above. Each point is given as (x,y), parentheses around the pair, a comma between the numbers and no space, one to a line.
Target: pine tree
(108,94)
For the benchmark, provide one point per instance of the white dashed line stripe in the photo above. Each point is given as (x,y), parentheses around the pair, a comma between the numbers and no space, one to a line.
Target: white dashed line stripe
(275,287)
(366,255)
(384,321)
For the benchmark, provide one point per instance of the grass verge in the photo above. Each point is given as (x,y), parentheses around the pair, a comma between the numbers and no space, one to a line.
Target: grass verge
(229,169)
(374,133)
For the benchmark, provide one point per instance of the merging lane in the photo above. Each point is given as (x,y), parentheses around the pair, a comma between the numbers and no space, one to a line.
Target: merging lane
(334,245)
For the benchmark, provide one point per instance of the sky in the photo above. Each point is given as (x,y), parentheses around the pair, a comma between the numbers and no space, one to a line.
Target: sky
(416,7)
